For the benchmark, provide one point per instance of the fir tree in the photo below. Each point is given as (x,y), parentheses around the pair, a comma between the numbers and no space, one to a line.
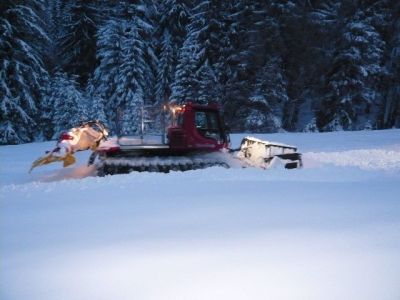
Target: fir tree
(22,40)
(132,112)
(139,14)
(68,102)
(202,44)
(107,75)
(96,108)
(241,57)
(351,97)
(184,86)
(170,34)
(269,99)
(207,83)
(130,95)
(174,17)
(120,78)
(77,43)
(165,69)
(323,29)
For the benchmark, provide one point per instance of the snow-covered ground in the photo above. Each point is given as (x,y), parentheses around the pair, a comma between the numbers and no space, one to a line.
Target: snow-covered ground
(328,231)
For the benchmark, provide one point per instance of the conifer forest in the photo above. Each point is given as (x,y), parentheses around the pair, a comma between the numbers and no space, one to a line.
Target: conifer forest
(278,65)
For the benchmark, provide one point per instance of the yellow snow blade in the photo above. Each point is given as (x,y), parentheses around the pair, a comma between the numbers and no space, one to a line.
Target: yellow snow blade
(68,160)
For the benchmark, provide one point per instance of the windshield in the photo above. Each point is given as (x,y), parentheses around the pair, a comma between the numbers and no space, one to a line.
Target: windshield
(207,124)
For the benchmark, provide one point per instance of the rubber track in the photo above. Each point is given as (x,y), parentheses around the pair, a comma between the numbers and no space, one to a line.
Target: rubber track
(115,166)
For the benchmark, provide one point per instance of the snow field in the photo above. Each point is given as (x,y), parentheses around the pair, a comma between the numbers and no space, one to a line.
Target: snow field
(328,231)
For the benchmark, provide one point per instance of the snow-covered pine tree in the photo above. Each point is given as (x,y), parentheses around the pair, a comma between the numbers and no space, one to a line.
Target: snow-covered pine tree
(123,78)
(165,70)
(22,40)
(203,42)
(293,47)
(266,105)
(119,79)
(69,105)
(380,14)
(53,24)
(132,82)
(208,29)
(351,99)
(173,17)
(132,111)
(77,41)
(243,52)
(107,74)
(207,83)
(142,13)
(96,109)
(169,35)
(184,86)
(322,30)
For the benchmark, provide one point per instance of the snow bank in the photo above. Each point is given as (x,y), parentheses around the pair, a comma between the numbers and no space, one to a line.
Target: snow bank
(371,159)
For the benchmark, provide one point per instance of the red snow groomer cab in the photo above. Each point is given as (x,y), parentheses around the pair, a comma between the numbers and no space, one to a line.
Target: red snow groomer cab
(197,128)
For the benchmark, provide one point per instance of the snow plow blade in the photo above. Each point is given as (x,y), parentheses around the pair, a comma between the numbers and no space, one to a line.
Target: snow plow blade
(257,153)
(49,158)
(84,137)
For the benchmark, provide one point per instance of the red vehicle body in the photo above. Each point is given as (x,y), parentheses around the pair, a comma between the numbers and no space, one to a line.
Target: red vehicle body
(195,128)
(198,128)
